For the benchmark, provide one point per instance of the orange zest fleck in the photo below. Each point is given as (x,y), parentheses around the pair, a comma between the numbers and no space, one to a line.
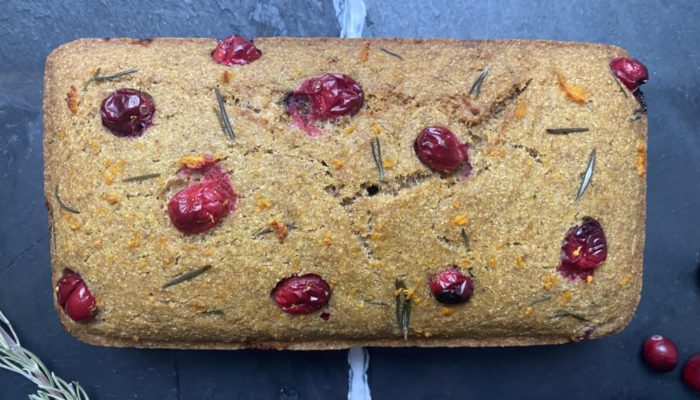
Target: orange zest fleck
(521,109)
(375,235)
(263,204)
(566,297)
(528,310)
(447,311)
(589,279)
(641,159)
(338,164)
(376,128)
(575,93)
(548,282)
(388,164)
(73,222)
(491,262)
(226,77)
(519,262)
(72,99)
(112,198)
(364,52)
(497,153)
(327,240)
(456,203)
(459,220)
(196,162)
(625,280)
(280,229)
(350,129)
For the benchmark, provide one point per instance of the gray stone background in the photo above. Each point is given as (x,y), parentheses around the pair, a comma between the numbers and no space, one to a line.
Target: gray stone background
(663,34)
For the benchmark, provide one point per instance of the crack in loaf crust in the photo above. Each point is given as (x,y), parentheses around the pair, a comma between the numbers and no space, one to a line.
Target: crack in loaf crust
(518,201)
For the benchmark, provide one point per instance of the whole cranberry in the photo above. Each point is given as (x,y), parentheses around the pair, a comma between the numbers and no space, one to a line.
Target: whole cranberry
(451,286)
(584,249)
(324,97)
(301,294)
(691,372)
(201,206)
(632,73)
(74,297)
(235,50)
(660,353)
(127,112)
(440,149)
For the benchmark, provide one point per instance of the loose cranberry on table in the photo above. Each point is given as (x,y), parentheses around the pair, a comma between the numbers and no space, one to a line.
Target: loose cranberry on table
(584,249)
(201,206)
(451,286)
(691,372)
(660,353)
(235,50)
(301,294)
(74,297)
(440,149)
(324,97)
(127,112)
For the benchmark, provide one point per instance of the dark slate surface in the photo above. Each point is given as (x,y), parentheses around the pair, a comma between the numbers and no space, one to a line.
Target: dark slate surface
(665,36)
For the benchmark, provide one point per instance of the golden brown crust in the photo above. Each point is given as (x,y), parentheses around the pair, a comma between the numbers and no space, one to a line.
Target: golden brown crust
(518,201)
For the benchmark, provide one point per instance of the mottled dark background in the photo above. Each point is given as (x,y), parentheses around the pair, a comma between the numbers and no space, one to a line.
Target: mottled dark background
(664,34)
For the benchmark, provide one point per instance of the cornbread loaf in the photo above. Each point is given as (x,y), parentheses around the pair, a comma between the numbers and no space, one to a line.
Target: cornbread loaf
(313,197)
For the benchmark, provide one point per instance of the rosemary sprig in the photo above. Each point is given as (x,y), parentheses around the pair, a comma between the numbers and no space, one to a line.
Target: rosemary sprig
(214,311)
(403,307)
(465,240)
(391,53)
(223,116)
(377,154)
(476,86)
(619,85)
(98,78)
(637,114)
(187,276)
(15,358)
(540,300)
(62,204)
(563,313)
(377,302)
(565,131)
(586,176)
(141,177)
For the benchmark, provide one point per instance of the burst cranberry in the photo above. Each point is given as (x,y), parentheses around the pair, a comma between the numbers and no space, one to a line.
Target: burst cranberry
(691,373)
(324,97)
(451,286)
(235,50)
(629,71)
(301,294)
(440,149)
(584,249)
(660,353)
(201,206)
(127,112)
(74,297)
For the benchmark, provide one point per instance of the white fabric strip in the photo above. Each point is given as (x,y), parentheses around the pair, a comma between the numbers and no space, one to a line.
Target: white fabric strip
(351,15)
(358,388)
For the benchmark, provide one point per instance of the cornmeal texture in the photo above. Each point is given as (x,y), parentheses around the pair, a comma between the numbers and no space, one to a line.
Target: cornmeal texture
(515,207)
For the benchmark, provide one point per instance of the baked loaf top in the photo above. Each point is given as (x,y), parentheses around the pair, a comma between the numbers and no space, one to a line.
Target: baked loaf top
(316,204)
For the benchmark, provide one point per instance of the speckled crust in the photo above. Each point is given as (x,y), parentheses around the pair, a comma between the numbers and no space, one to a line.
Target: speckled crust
(518,201)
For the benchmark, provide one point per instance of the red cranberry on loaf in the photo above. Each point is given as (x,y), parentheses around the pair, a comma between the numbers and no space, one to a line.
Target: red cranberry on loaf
(584,249)
(440,149)
(127,112)
(451,286)
(235,50)
(301,294)
(75,298)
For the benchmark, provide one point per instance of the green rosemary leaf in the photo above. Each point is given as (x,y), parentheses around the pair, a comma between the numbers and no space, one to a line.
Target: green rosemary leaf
(540,300)
(62,204)
(563,313)
(619,85)
(141,177)
(377,302)
(476,86)
(403,307)
(637,114)
(98,78)
(391,53)
(465,240)
(586,176)
(214,311)
(377,154)
(187,276)
(223,116)
(565,131)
